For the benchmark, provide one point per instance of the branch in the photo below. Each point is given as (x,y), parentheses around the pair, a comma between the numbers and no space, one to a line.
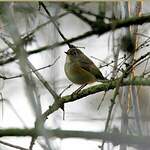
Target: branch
(114,138)
(39,76)
(77,12)
(55,24)
(120,23)
(138,81)
(97,31)
(95,25)
(13,57)
(21,75)
(12,145)
(45,83)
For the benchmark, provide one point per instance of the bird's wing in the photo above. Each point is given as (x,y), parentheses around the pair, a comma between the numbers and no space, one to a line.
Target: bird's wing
(89,66)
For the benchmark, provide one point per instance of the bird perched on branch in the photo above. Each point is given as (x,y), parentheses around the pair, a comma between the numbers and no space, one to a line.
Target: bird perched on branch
(80,69)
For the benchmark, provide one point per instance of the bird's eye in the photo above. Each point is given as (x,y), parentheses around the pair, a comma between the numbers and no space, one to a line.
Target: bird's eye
(74,53)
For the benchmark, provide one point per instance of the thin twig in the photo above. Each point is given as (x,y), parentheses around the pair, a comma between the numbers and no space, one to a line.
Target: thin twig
(45,83)
(42,25)
(119,81)
(56,26)
(13,57)
(145,66)
(101,100)
(15,112)
(31,33)
(21,75)
(12,145)
(57,44)
(33,139)
(2,100)
(78,12)
(65,89)
(118,24)
(47,86)
(75,8)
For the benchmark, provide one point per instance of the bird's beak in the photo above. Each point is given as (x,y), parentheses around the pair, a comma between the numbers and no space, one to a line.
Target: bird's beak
(66,52)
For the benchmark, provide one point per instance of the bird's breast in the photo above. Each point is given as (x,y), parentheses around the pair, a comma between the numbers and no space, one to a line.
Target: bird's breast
(78,75)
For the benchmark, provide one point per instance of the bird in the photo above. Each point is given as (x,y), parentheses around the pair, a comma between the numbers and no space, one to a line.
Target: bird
(80,69)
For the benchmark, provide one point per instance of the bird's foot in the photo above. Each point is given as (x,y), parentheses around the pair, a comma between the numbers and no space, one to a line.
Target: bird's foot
(78,90)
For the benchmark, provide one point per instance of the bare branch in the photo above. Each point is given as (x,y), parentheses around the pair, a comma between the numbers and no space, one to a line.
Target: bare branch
(21,75)
(114,138)
(12,145)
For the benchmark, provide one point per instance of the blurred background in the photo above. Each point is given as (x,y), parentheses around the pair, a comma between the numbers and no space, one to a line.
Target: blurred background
(43,45)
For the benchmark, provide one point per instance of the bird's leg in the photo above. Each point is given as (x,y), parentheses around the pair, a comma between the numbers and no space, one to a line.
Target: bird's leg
(79,89)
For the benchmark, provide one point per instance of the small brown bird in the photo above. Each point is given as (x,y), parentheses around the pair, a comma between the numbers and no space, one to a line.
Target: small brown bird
(80,69)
